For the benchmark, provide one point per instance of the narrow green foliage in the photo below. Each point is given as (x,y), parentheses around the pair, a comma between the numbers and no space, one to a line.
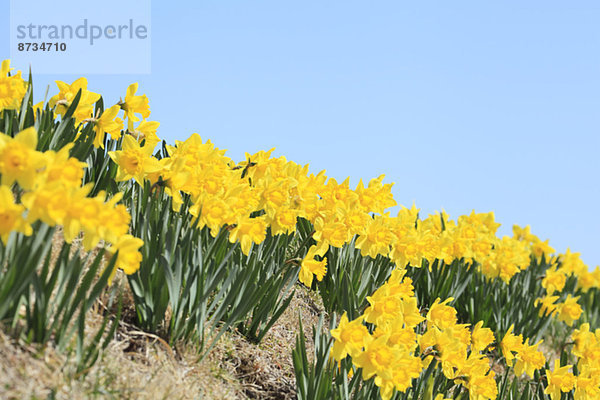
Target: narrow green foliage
(44,298)
(313,381)
(206,282)
(19,261)
(350,278)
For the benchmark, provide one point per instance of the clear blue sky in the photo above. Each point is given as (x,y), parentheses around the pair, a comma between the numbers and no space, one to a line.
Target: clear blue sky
(464,105)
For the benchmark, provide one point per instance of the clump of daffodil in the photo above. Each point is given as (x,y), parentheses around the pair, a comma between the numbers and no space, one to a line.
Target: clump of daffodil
(50,190)
(285,191)
(393,340)
(395,354)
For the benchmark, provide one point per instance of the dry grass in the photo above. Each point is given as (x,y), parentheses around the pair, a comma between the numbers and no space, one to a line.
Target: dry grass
(265,370)
(137,365)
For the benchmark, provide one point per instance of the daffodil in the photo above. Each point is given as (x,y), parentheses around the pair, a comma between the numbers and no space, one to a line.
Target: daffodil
(378,358)
(560,380)
(109,123)
(350,337)
(481,337)
(483,386)
(134,161)
(331,231)
(442,315)
(248,231)
(572,264)
(129,257)
(377,239)
(11,215)
(62,168)
(529,359)
(511,344)
(547,305)
(134,104)
(19,161)
(214,212)
(383,306)
(12,88)
(311,267)
(554,281)
(283,220)
(49,203)
(67,93)
(587,385)
(146,130)
(569,311)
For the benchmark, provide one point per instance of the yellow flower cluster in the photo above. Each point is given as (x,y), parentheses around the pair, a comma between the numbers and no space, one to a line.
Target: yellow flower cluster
(392,341)
(460,350)
(394,353)
(587,351)
(51,191)
(538,248)
(554,281)
(384,342)
(225,194)
(275,192)
(586,384)
(108,121)
(528,357)
(12,88)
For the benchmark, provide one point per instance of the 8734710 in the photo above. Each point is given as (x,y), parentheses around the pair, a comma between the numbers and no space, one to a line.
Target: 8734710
(43,46)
